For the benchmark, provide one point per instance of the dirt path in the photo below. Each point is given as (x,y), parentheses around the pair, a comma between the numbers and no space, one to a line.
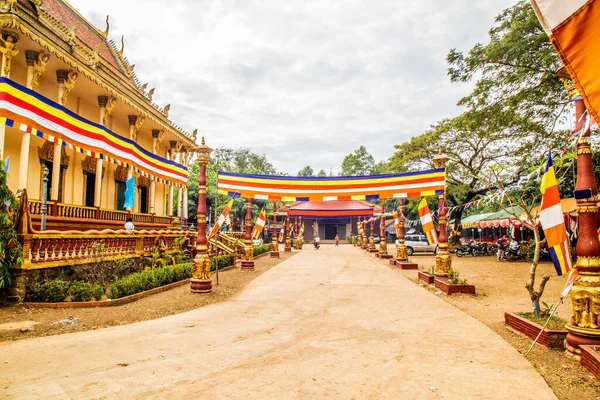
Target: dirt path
(501,287)
(328,323)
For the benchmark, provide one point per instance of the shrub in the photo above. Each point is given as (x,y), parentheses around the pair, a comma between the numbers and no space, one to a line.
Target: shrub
(85,291)
(221,261)
(261,249)
(49,291)
(149,279)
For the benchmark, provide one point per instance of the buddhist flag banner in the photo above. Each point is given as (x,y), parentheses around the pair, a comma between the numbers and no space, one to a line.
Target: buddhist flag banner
(221,219)
(552,221)
(573,273)
(574,30)
(301,230)
(282,233)
(24,109)
(260,224)
(325,188)
(129,193)
(427,222)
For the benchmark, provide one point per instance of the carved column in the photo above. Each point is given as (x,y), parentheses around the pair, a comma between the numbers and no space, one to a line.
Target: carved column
(584,326)
(185,189)
(248,258)
(443,259)
(274,243)
(201,282)
(171,153)
(365,242)
(288,233)
(401,255)
(383,243)
(372,247)
(31,57)
(358,241)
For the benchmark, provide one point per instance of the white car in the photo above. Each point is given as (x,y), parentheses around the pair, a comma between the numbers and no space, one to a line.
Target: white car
(418,243)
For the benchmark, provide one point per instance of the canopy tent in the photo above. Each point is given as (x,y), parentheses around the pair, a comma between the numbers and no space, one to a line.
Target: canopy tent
(37,115)
(502,218)
(472,221)
(300,188)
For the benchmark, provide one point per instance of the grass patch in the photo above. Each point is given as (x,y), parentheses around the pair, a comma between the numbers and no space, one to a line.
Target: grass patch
(555,322)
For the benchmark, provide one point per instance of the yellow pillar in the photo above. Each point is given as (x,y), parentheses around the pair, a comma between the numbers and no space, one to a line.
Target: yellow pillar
(102,101)
(31,57)
(152,208)
(61,76)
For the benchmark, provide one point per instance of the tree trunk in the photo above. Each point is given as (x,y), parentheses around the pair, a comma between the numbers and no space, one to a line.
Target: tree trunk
(533,294)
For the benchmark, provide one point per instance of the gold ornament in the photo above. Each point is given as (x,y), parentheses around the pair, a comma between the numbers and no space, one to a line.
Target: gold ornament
(8,42)
(110,106)
(150,94)
(69,85)
(138,124)
(39,67)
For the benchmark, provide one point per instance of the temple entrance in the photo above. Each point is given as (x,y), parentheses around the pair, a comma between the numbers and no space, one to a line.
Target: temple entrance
(143,199)
(121,187)
(90,189)
(330,232)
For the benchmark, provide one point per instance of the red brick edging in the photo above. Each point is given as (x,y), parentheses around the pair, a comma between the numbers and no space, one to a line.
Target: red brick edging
(451,288)
(590,358)
(551,338)
(425,277)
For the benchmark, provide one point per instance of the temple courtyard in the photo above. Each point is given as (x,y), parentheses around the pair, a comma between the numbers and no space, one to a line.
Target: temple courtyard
(333,323)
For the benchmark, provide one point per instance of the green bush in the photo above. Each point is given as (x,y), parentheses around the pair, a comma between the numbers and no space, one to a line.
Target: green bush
(85,291)
(49,291)
(149,279)
(261,249)
(221,261)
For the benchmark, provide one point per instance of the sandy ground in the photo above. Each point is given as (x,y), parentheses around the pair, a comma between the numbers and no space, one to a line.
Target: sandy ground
(501,287)
(329,323)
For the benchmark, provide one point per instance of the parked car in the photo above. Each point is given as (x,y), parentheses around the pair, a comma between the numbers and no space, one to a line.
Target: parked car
(418,243)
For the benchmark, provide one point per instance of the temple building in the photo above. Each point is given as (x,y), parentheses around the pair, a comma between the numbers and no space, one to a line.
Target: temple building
(331,218)
(73,110)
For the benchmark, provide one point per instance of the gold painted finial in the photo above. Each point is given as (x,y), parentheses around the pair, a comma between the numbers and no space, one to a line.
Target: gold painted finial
(105,33)
(122,45)
(150,94)
(203,141)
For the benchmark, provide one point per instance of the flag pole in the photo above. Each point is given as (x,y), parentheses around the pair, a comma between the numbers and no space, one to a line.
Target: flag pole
(543,327)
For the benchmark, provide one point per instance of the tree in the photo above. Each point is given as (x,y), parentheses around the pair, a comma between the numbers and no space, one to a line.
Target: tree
(321,173)
(515,71)
(360,162)
(307,171)
(11,253)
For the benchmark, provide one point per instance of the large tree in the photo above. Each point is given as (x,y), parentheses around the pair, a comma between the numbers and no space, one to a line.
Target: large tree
(359,162)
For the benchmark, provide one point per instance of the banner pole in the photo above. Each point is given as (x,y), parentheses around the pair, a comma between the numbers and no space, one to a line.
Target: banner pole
(544,327)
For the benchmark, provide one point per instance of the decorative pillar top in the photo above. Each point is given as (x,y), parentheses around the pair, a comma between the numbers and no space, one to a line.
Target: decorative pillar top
(62,75)
(155,133)
(102,101)
(132,119)
(565,78)
(203,152)
(31,56)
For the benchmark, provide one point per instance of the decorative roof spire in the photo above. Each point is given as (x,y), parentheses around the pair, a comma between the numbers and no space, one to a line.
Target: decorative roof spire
(105,33)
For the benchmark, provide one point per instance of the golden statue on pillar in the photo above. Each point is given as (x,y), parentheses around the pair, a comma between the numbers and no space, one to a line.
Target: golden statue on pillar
(201,282)
(443,259)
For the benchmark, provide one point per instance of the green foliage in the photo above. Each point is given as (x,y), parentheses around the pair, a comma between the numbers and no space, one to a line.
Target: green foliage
(11,253)
(261,249)
(321,173)
(306,171)
(359,162)
(516,70)
(149,279)
(85,291)
(554,323)
(221,262)
(49,291)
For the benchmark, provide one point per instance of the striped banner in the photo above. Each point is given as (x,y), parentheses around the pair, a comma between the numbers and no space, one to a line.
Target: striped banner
(39,116)
(300,188)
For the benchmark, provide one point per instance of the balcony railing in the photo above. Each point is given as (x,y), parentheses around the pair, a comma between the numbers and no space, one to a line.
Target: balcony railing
(62,216)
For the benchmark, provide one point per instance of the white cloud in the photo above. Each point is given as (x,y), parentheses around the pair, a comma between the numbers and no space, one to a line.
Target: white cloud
(305,82)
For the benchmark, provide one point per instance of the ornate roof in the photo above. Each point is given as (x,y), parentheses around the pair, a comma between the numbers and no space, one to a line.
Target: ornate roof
(57,26)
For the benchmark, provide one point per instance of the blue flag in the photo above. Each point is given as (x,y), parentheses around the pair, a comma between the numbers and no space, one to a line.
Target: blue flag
(6,164)
(129,193)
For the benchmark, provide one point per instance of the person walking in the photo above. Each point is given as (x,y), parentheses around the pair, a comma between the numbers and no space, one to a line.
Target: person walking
(337,240)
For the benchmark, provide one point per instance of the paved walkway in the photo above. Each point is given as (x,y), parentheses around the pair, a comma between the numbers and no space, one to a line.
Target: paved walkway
(333,323)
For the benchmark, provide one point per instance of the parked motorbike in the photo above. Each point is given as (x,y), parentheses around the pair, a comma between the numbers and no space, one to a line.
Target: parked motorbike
(462,251)
(514,254)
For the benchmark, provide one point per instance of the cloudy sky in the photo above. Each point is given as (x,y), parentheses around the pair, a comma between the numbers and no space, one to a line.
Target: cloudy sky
(303,81)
